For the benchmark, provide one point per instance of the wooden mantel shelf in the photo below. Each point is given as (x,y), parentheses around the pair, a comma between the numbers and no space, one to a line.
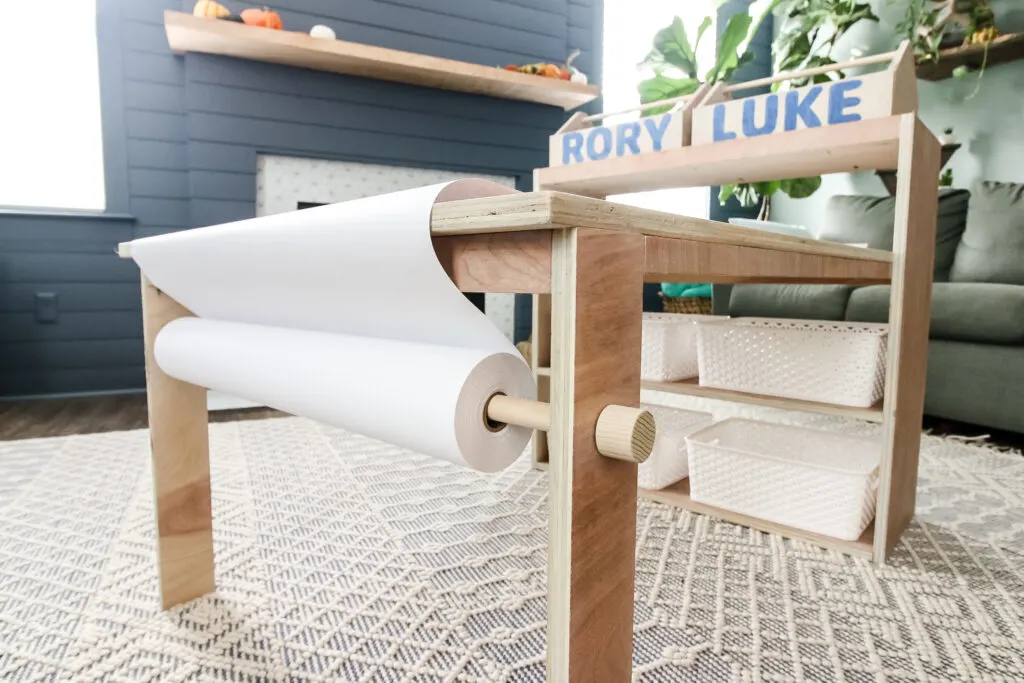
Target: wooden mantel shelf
(188,33)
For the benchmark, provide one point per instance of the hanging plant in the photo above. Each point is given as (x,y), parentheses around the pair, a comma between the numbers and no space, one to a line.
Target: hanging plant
(929,25)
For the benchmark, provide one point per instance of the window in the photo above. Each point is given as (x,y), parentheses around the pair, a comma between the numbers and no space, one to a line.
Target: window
(629,27)
(52,151)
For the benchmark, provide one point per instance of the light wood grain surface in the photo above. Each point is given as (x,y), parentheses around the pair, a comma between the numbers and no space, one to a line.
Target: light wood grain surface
(676,260)
(520,262)
(678,495)
(862,145)
(909,310)
(508,263)
(187,33)
(690,387)
(558,210)
(596,291)
(530,211)
(179,440)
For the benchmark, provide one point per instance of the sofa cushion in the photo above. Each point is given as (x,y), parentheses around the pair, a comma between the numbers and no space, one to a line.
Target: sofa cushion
(961,311)
(812,302)
(860,219)
(992,248)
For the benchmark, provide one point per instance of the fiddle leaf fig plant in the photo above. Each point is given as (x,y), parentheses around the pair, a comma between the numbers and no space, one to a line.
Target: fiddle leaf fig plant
(810,31)
(677,72)
(673,58)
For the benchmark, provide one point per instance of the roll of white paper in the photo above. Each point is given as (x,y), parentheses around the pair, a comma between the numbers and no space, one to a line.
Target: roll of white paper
(342,314)
(424,397)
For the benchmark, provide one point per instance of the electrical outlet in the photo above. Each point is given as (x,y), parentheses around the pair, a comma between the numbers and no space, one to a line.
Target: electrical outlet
(46,307)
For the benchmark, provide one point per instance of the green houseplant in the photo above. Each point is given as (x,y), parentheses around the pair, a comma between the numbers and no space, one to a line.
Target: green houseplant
(931,25)
(812,29)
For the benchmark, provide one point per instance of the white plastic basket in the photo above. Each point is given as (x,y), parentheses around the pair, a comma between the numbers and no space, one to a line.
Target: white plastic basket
(667,463)
(669,346)
(830,362)
(818,481)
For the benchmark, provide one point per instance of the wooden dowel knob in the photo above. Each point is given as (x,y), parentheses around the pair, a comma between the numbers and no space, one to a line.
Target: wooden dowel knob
(625,433)
(622,433)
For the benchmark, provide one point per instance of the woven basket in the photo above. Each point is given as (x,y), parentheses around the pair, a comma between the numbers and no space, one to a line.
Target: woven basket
(809,479)
(668,349)
(829,362)
(693,305)
(668,463)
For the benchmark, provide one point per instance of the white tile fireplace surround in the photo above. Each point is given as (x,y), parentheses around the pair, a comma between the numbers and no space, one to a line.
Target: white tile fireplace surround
(287,183)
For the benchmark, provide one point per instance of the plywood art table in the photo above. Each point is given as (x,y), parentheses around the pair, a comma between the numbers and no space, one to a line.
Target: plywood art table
(587,260)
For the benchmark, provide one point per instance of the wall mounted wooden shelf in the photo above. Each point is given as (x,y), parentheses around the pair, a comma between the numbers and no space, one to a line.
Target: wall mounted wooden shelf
(187,33)
(1003,49)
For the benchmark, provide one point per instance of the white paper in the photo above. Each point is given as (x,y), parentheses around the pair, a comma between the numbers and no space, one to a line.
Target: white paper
(343,314)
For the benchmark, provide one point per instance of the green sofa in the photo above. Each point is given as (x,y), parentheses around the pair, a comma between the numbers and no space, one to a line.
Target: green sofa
(976,348)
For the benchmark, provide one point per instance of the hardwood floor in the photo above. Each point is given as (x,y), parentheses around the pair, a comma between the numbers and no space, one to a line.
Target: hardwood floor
(91,414)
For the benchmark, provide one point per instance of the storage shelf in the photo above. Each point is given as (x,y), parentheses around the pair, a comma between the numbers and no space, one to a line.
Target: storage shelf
(871,144)
(690,387)
(678,495)
(1003,49)
(188,33)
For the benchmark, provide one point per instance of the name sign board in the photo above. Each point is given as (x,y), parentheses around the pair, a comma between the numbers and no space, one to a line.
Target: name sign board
(812,106)
(647,134)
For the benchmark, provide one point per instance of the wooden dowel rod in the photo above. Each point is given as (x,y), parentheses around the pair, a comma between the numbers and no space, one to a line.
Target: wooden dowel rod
(622,433)
(519,411)
(785,76)
(641,107)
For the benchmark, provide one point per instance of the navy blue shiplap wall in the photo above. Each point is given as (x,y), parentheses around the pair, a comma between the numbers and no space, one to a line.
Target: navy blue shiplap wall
(181,137)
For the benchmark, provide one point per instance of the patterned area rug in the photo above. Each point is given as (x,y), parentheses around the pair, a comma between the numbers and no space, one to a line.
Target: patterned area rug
(344,559)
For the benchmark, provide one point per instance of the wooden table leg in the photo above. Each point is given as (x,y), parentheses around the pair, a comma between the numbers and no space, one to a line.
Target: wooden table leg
(540,349)
(596,284)
(179,440)
(909,312)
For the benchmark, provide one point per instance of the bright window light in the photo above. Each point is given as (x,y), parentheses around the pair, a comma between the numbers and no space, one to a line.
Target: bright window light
(52,150)
(629,28)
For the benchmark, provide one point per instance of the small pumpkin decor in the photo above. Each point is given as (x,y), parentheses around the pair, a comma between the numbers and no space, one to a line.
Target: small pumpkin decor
(210,10)
(262,17)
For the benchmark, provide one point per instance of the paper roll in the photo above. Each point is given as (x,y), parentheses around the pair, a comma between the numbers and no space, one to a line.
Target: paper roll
(343,314)
(423,397)
(365,267)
